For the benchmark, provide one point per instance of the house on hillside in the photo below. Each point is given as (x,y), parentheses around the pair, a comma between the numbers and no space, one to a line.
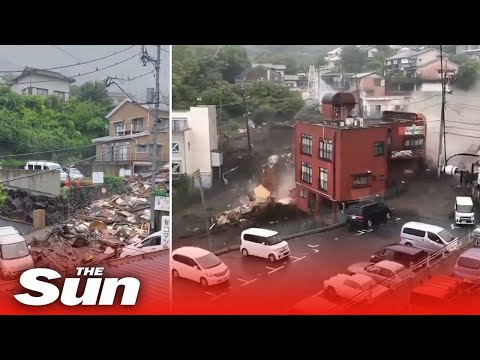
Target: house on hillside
(128,148)
(259,73)
(367,50)
(279,68)
(40,82)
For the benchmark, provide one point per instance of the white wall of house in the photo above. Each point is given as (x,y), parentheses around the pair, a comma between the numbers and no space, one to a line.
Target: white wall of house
(375,106)
(41,82)
(433,87)
(197,143)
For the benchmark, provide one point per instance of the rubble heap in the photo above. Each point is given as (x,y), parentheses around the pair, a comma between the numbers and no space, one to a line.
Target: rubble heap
(99,231)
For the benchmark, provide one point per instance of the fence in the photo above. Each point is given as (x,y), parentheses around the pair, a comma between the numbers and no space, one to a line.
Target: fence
(398,298)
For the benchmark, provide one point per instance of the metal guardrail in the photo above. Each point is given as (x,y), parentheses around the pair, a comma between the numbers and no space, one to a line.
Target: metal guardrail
(407,274)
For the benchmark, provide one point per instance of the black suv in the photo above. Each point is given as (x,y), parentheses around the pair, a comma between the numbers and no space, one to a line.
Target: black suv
(366,214)
(402,254)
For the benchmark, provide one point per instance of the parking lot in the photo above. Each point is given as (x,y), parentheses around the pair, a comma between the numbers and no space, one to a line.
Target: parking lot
(258,286)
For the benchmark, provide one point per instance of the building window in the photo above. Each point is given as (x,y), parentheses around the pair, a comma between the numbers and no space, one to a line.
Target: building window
(42,92)
(175,148)
(325,149)
(306,174)
(375,109)
(60,95)
(141,149)
(120,152)
(179,124)
(388,62)
(306,144)
(397,107)
(119,129)
(377,82)
(405,61)
(360,180)
(303,193)
(395,62)
(27,91)
(137,125)
(414,142)
(176,168)
(379,149)
(322,181)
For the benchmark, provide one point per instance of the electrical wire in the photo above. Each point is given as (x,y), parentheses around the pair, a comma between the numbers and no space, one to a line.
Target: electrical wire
(461,128)
(71,65)
(469,136)
(134,78)
(79,75)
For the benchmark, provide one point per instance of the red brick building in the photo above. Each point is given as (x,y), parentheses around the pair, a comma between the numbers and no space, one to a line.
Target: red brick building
(340,159)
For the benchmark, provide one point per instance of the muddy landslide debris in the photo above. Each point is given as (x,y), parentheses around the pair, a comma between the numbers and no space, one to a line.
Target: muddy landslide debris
(98,232)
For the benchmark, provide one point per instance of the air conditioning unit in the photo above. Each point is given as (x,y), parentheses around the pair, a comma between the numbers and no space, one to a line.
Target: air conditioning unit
(349,121)
(341,124)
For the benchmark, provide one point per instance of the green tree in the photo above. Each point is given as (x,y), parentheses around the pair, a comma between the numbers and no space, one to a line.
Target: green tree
(7,78)
(223,94)
(234,60)
(352,61)
(263,114)
(95,92)
(467,74)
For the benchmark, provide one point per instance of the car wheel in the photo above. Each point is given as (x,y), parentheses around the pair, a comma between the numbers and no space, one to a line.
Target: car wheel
(245,252)
(408,244)
(203,282)
(331,293)
(369,223)
(272,258)
(389,216)
(175,274)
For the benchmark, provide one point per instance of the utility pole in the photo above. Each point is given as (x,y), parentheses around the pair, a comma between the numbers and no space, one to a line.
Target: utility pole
(360,106)
(156,62)
(442,118)
(245,114)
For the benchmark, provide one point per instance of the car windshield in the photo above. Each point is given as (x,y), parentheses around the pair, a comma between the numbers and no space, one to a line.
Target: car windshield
(74,171)
(55,167)
(209,261)
(445,235)
(469,263)
(464,208)
(14,251)
(273,240)
(354,210)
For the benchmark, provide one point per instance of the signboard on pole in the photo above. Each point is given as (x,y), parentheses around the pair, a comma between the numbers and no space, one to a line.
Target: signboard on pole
(162,203)
(97,177)
(165,230)
(411,130)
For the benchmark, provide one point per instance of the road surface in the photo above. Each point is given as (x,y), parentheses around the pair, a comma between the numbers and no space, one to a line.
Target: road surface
(23,228)
(258,286)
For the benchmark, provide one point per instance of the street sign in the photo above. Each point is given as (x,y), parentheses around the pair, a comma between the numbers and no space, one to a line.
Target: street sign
(165,230)
(162,203)
(97,177)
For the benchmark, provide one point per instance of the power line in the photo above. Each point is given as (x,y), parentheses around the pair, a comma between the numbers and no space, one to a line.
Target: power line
(469,136)
(45,152)
(79,75)
(134,78)
(461,128)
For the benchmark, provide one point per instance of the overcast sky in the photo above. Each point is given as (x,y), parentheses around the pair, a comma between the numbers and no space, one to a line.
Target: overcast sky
(16,57)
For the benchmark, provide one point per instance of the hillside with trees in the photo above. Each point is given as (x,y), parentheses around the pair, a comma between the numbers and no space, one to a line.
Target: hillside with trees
(36,123)
(206,75)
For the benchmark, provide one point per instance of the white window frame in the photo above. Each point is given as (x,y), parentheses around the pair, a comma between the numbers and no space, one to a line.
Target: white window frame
(116,125)
(175,148)
(306,144)
(174,165)
(323,179)
(41,89)
(306,168)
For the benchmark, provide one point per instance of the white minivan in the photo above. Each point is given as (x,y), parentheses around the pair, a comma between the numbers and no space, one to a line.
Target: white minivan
(45,166)
(427,237)
(15,255)
(263,243)
(464,210)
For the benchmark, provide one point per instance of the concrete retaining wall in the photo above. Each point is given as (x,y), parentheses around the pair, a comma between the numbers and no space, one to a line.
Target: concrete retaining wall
(39,182)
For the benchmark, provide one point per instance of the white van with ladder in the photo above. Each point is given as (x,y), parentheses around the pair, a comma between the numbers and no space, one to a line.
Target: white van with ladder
(464,211)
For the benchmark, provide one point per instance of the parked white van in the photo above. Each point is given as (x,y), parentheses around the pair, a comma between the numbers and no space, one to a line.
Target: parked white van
(46,165)
(263,243)
(427,237)
(15,255)
(464,211)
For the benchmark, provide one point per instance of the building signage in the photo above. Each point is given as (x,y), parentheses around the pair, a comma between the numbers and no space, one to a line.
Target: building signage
(97,177)
(165,230)
(162,203)
(403,154)
(411,130)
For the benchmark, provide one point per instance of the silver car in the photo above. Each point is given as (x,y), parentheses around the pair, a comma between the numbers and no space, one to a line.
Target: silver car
(467,267)
(385,272)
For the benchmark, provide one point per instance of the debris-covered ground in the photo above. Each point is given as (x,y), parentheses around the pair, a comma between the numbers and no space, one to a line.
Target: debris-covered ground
(99,231)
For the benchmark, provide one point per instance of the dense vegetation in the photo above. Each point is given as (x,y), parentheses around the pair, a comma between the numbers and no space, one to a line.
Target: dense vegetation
(35,123)
(206,75)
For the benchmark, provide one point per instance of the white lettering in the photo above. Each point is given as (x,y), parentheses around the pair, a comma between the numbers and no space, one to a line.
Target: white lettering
(98,271)
(130,292)
(90,294)
(29,280)
(79,271)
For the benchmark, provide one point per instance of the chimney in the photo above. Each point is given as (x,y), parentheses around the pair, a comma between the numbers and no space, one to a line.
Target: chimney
(150,95)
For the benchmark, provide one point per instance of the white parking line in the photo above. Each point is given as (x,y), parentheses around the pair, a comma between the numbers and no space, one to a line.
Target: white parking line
(316,251)
(245,282)
(398,219)
(367,231)
(272,270)
(218,296)
(360,233)
(313,246)
(297,258)
(209,293)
